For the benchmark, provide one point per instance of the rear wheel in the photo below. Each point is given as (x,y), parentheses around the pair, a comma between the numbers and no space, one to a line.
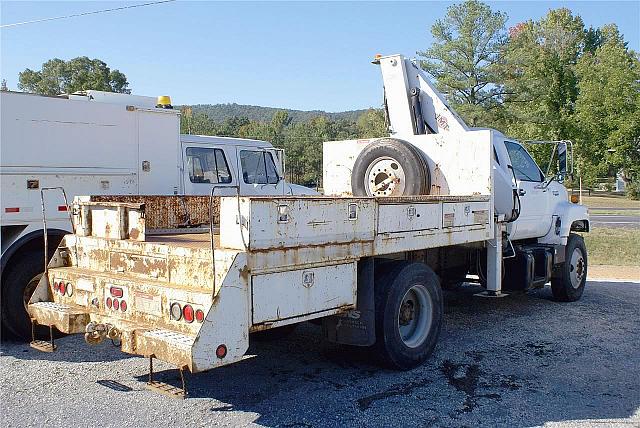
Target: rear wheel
(390,167)
(409,308)
(568,285)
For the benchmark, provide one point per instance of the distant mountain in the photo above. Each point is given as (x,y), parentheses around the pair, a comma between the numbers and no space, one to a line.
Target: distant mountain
(220,112)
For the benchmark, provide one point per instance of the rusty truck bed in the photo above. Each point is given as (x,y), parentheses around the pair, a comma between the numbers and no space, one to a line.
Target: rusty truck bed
(186,240)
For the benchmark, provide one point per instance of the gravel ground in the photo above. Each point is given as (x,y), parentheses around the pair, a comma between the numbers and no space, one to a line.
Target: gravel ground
(523,360)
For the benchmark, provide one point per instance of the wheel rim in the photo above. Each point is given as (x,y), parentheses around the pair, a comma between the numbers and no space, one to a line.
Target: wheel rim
(414,316)
(29,289)
(385,177)
(577,268)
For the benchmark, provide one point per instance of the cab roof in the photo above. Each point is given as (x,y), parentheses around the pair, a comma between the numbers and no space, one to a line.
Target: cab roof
(232,141)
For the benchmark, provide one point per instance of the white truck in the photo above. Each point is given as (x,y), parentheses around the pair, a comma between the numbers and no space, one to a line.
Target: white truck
(104,143)
(402,215)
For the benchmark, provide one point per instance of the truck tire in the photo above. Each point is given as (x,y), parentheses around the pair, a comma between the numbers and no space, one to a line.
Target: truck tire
(390,167)
(409,310)
(568,283)
(18,284)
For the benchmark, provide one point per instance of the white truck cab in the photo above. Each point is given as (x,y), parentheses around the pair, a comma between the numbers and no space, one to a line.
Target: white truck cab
(254,167)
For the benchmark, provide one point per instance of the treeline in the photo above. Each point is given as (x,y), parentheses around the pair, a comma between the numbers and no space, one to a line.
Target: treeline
(551,79)
(221,112)
(302,141)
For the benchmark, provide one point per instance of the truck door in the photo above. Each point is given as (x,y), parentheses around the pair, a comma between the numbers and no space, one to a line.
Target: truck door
(534,220)
(207,166)
(258,172)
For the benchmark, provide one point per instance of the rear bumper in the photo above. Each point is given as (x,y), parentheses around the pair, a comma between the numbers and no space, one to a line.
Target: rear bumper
(169,346)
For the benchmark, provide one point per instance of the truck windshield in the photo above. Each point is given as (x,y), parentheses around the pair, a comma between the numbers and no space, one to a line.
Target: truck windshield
(207,166)
(258,167)
(524,167)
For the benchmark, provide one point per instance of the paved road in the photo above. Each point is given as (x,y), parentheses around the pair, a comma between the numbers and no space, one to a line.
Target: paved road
(623,221)
(523,360)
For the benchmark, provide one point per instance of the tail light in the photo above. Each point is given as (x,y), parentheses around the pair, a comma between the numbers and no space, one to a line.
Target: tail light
(123,305)
(109,302)
(116,304)
(62,287)
(116,292)
(221,351)
(188,313)
(176,311)
(56,286)
(199,315)
(69,289)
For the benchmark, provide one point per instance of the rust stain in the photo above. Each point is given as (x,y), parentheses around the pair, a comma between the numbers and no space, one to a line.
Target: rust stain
(134,233)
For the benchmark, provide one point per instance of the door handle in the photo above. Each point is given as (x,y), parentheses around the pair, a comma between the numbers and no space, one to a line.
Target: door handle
(522,192)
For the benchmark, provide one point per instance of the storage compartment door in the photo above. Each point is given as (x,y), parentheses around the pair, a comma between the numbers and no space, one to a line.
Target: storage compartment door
(159,152)
(281,295)
(458,214)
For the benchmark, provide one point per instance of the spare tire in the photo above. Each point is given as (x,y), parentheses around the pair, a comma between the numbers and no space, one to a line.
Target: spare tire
(390,167)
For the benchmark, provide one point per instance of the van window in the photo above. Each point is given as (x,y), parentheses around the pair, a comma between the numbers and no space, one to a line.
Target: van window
(258,167)
(524,167)
(207,166)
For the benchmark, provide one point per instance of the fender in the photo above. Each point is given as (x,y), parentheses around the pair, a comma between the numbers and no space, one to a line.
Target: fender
(26,239)
(566,215)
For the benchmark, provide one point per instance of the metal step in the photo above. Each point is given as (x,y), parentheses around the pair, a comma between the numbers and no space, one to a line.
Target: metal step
(166,389)
(43,346)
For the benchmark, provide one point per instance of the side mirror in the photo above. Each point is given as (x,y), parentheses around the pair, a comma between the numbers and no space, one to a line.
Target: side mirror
(562,160)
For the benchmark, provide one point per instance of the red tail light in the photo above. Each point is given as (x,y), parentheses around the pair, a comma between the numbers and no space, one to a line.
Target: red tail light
(116,292)
(56,286)
(221,351)
(63,287)
(116,304)
(187,313)
(123,305)
(199,315)
(109,302)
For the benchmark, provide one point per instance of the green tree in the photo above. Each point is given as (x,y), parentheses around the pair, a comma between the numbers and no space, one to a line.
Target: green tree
(465,56)
(608,109)
(371,124)
(540,76)
(58,77)
(197,123)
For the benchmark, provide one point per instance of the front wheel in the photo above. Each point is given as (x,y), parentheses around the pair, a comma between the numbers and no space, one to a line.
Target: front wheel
(568,284)
(409,308)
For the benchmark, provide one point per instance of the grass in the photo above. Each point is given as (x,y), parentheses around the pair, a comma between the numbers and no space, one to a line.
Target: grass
(605,211)
(609,202)
(613,246)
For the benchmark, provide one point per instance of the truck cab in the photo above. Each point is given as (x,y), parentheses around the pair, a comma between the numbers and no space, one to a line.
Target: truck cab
(254,168)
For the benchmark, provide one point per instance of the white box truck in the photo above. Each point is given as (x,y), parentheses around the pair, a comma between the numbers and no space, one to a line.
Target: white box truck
(104,143)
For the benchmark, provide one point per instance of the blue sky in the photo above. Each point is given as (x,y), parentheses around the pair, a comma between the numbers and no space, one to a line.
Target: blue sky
(302,55)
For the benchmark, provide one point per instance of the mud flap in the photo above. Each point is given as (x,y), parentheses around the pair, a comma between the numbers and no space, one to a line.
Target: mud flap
(356,327)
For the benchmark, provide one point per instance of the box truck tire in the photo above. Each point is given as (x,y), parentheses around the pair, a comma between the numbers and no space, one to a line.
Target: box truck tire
(409,310)
(390,167)
(18,284)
